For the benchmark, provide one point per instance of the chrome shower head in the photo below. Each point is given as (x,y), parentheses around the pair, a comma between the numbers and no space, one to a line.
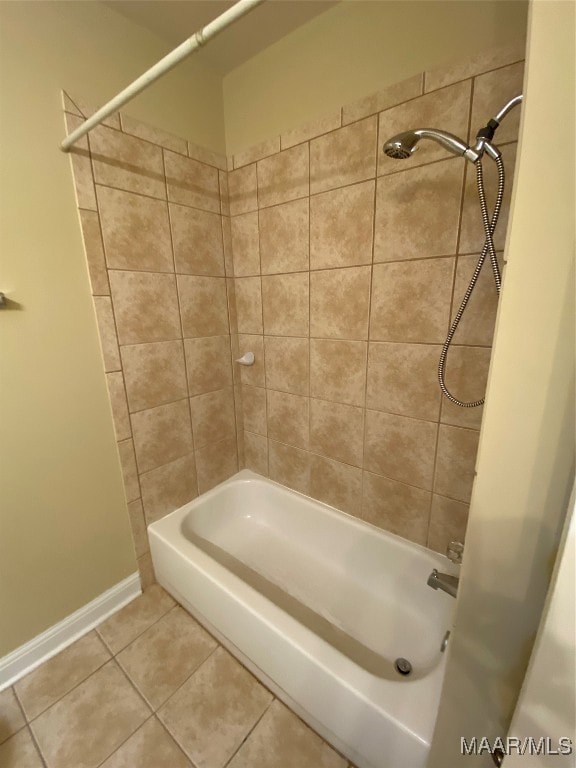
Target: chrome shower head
(404,144)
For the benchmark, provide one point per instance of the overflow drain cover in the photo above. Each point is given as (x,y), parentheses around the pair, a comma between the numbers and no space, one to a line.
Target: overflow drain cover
(403,666)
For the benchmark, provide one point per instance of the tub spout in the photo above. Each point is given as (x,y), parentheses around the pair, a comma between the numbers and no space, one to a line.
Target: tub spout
(443,581)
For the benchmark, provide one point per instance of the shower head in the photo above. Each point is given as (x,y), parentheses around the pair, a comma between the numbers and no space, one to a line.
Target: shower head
(404,144)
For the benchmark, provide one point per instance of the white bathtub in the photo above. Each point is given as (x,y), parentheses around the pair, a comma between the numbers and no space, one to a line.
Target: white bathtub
(318,605)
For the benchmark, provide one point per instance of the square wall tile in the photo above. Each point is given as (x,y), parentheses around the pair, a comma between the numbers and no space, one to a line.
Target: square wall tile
(339,303)
(311,130)
(153,134)
(448,108)
(248,292)
(256,453)
(257,152)
(136,231)
(162,434)
(478,321)
(400,448)
(165,655)
(107,332)
(208,364)
(254,408)
(472,231)
(402,379)
(146,306)
(242,190)
(491,92)
(388,97)
(288,418)
(103,712)
(128,163)
(456,462)
(338,370)
(395,507)
(466,375)
(197,239)
(418,211)
(94,250)
(336,484)
(411,301)
(251,374)
(117,394)
(246,244)
(224,196)
(493,58)
(192,183)
(215,463)
(344,156)
(214,710)
(285,300)
(287,364)
(284,237)
(337,431)
(203,305)
(289,466)
(168,487)
(341,227)
(129,470)
(448,521)
(146,571)
(213,417)
(81,167)
(138,527)
(155,374)
(283,176)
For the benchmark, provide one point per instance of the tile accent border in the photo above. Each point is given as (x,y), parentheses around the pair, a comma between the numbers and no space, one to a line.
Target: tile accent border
(42,647)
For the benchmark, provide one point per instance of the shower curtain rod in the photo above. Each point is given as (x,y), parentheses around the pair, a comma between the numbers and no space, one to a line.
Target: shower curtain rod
(165,64)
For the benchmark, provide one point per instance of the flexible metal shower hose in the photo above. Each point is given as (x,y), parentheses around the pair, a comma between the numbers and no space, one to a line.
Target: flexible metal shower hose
(489,227)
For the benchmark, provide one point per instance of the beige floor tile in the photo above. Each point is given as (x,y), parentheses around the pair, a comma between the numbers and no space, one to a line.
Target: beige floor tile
(88,724)
(282,740)
(60,674)
(161,659)
(11,717)
(150,747)
(130,622)
(213,712)
(20,752)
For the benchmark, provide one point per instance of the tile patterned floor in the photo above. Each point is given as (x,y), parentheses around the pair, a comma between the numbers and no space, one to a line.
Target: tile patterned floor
(150,688)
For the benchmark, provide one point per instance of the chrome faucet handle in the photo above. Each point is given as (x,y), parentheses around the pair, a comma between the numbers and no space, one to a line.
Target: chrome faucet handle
(454,552)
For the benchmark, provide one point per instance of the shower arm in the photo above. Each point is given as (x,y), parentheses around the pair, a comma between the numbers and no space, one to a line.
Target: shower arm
(486,134)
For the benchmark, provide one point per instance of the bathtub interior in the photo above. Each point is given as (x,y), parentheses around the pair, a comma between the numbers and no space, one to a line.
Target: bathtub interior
(361,590)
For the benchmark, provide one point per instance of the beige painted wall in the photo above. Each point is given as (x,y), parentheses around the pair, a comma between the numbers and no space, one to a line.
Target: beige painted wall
(64,528)
(352,50)
(526,455)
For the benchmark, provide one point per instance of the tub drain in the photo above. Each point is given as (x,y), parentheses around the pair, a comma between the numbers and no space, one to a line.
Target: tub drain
(403,666)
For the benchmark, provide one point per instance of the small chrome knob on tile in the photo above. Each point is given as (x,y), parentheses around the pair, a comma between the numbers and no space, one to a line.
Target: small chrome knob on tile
(454,552)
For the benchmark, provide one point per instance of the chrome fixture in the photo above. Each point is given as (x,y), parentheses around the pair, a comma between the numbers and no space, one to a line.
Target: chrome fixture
(403,145)
(454,552)
(443,581)
(403,666)
(444,643)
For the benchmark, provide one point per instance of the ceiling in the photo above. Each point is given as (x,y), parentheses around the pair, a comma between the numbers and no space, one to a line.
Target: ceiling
(176,20)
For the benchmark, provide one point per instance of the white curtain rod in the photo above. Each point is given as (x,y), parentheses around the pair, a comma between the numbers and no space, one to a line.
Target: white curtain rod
(160,68)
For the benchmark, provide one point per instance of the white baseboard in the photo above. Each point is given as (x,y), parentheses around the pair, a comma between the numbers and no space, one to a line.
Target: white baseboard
(42,647)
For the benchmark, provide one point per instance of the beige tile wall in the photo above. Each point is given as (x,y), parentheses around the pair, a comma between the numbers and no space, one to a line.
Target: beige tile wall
(348,269)
(338,267)
(154,220)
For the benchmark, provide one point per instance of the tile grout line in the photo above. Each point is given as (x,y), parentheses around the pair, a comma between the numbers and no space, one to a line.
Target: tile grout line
(310,287)
(368,330)
(253,728)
